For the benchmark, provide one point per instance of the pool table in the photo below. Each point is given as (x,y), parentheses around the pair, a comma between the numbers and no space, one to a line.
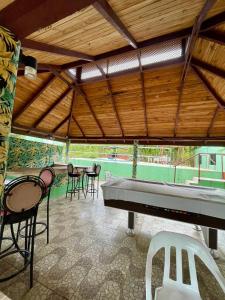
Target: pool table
(191,204)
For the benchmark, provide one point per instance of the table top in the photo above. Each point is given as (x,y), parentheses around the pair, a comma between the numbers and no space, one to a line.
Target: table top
(207,201)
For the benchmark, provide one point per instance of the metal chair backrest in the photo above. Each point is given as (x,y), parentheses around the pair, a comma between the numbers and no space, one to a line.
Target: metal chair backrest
(70,168)
(180,242)
(47,174)
(23,193)
(98,169)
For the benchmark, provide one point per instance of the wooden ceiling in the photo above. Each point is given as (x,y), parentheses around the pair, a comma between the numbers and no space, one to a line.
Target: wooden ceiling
(176,101)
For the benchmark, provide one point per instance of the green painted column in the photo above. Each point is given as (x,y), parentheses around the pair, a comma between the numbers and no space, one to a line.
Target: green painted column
(135,159)
(9,59)
(67,150)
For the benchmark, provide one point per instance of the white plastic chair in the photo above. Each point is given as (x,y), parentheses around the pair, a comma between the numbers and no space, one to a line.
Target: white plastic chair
(176,289)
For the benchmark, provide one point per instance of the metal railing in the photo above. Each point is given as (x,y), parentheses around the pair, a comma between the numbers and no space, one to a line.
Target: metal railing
(199,160)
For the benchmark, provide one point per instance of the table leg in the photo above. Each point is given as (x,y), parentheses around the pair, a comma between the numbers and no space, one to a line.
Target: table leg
(210,236)
(131,217)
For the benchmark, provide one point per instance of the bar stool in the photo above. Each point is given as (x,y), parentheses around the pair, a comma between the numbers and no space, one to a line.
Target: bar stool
(74,184)
(47,174)
(91,177)
(20,204)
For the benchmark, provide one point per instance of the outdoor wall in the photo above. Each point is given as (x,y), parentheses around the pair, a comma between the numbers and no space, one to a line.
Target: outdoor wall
(33,154)
(220,160)
(9,58)
(146,171)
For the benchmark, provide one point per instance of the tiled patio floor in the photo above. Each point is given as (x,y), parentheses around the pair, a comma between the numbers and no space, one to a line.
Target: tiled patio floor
(91,257)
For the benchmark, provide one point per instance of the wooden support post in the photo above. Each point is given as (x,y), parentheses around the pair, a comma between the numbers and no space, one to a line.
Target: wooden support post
(131,214)
(67,150)
(135,158)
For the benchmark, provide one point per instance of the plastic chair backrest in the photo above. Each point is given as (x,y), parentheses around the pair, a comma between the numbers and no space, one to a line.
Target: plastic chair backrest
(23,193)
(47,174)
(98,169)
(70,168)
(166,240)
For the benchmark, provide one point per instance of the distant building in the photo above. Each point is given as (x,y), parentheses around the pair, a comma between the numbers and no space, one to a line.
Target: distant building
(212,158)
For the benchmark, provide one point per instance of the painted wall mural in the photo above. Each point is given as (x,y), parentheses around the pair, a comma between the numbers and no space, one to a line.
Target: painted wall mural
(9,59)
(26,153)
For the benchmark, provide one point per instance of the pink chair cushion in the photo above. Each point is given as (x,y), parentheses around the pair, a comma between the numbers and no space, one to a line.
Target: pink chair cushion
(46,176)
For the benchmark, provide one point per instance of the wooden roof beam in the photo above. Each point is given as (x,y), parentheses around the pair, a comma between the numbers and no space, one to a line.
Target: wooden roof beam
(180,34)
(208,67)
(30,44)
(103,7)
(78,125)
(37,94)
(213,36)
(59,100)
(212,121)
(220,102)
(24,17)
(188,55)
(61,123)
(143,92)
(109,86)
(71,112)
(29,130)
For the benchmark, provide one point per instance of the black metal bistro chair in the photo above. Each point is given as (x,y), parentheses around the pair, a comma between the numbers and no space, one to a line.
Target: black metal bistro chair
(91,181)
(74,181)
(20,204)
(47,175)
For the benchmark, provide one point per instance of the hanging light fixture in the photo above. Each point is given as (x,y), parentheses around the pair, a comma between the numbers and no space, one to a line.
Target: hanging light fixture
(30,63)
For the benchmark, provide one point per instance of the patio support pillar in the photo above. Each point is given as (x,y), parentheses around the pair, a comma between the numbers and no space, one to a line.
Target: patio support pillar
(67,150)
(131,214)
(9,59)
(135,158)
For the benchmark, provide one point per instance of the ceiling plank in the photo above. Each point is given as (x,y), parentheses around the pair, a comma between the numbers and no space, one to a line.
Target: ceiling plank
(213,36)
(109,86)
(143,92)
(37,94)
(180,34)
(30,44)
(44,115)
(71,112)
(61,123)
(24,17)
(188,55)
(103,7)
(78,125)
(220,102)
(80,90)
(208,67)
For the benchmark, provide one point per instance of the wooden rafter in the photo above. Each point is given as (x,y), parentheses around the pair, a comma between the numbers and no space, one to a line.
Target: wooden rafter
(80,90)
(220,102)
(59,100)
(24,17)
(103,7)
(30,44)
(143,92)
(37,94)
(208,67)
(109,86)
(78,125)
(71,112)
(212,121)
(194,35)
(177,35)
(60,76)
(61,123)
(214,36)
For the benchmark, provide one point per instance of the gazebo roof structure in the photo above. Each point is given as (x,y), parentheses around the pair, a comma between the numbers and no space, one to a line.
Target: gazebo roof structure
(118,71)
